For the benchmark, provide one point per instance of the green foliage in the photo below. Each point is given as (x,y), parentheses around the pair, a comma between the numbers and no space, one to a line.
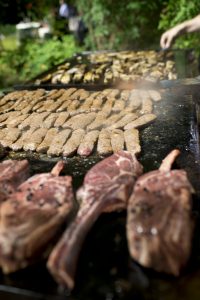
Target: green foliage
(7,29)
(121,24)
(176,12)
(33,58)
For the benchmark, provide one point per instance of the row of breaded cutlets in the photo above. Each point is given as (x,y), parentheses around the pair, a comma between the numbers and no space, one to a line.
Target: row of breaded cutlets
(33,209)
(69,121)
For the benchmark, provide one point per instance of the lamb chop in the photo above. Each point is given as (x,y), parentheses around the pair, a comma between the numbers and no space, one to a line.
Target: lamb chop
(106,188)
(32,217)
(13,173)
(159,224)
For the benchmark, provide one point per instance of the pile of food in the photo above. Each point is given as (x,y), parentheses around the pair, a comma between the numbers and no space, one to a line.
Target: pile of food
(112,67)
(33,210)
(74,121)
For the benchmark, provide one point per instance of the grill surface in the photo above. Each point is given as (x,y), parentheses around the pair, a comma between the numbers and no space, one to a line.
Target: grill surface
(105,270)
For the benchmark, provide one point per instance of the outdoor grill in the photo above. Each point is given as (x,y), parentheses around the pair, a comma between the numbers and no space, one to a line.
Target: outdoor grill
(105,269)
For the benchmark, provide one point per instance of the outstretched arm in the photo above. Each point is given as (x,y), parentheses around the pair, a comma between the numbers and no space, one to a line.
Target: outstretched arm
(170,35)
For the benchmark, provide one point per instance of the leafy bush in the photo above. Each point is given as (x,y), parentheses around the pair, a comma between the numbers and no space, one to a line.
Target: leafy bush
(175,12)
(121,24)
(33,58)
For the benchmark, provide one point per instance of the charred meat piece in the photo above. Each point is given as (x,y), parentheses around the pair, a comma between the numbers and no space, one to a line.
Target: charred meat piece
(32,216)
(159,224)
(107,187)
(13,173)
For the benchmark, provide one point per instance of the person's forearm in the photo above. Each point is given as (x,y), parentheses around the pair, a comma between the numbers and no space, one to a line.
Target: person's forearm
(189,26)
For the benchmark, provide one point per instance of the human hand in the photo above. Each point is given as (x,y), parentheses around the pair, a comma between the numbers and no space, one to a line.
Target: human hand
(168,38)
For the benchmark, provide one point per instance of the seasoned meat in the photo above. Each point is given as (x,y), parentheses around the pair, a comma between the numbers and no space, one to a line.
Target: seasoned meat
(87,144)
(17,120)
(127,118)
(57,143)
(61,119)
(9,117)
(35,139)
(73,142)
(118,105)
(50,120)
(117,140)
(79,121)
(106,187)
(12,174)
(98,121)
(12,134)
(113,118)
(141,121)
(73,106)
(27,122)
(25,137)
(45,144)
(132,141)
(32,105)
(32,216)
(125,95)
(155,95)
(147,106)
(86,105)
(159,225)
(104,142)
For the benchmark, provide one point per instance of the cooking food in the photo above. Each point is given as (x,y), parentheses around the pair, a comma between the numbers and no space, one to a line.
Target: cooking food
(141,121)
(73,142)
(132,141)
(13,173)
(104,142)
(117,140)
(32,216)
(107,187)
(159,224)
(87,144)
(74,110)
(112,67)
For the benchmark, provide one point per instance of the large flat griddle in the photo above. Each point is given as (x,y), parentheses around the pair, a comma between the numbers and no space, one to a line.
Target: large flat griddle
(105,270)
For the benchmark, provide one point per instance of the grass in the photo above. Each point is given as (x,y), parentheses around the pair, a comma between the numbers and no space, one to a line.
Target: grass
(9,42)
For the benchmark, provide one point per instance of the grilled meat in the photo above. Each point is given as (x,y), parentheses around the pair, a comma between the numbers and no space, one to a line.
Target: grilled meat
(159,225)
(117,140)
(73,142)
(104,142)
(87,144)
(57,143)
(10,137)
(141,121)
(45,144)
(35,139)
(13,173)
(32,216)
(132,141)
(107,187)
